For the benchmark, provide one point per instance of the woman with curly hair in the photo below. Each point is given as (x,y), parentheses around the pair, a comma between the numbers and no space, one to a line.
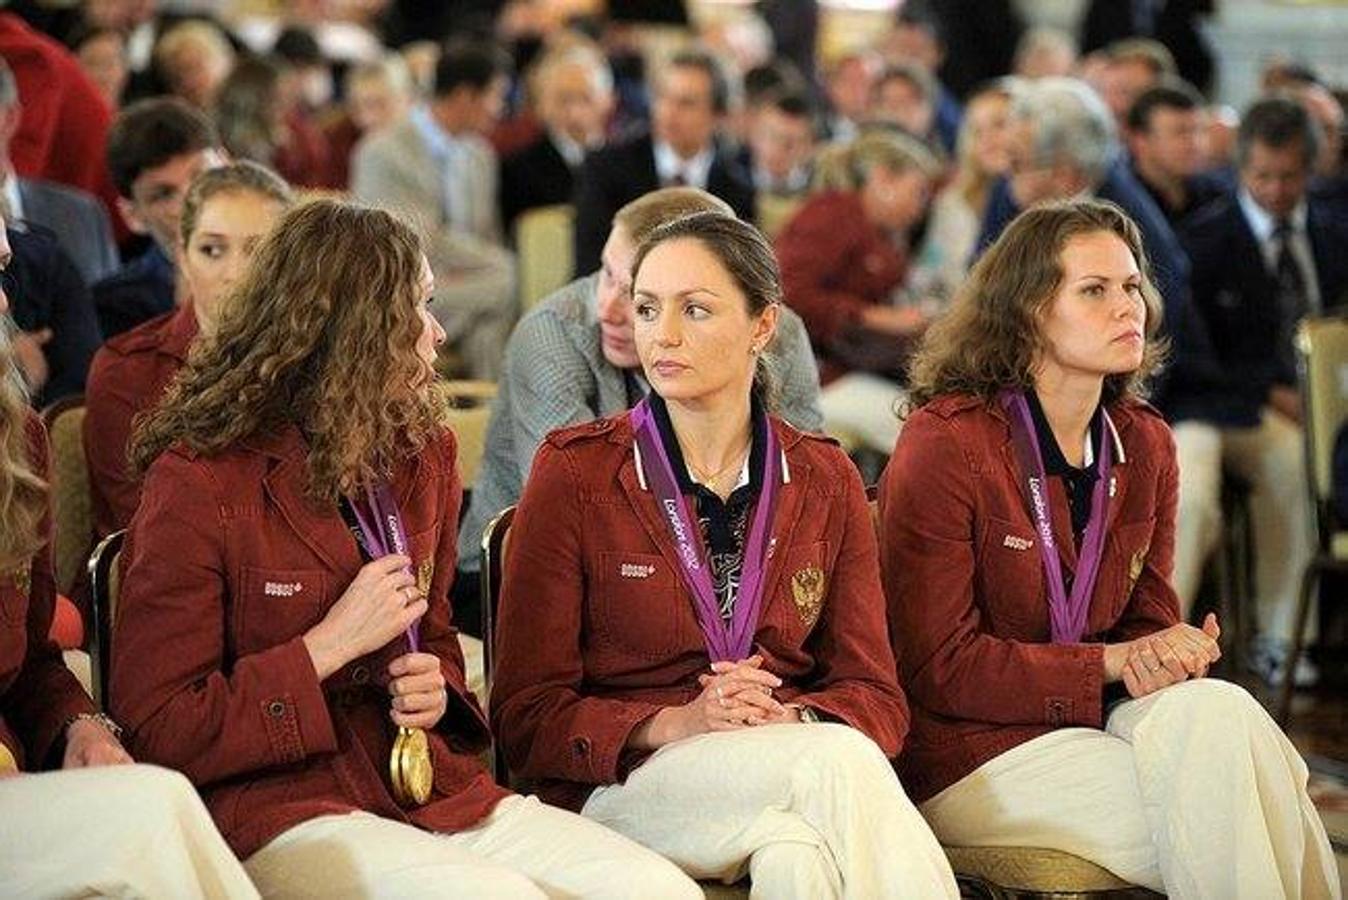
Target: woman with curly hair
(99,824)
(1027,540)
(285,634)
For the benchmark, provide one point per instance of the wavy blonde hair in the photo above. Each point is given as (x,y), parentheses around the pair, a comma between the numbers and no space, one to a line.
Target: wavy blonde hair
(320,333)
(991,338)
(23,493)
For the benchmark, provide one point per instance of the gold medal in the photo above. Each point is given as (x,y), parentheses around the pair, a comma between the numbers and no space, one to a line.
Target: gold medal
(7,761)
(410,767)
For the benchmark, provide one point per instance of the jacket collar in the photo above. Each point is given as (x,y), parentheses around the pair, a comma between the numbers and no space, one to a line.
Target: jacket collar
(320,526)
(182,330)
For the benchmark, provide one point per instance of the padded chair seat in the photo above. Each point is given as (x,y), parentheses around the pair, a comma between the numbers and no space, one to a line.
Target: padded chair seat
(1338,545)
(714,890)
(1033,869)
(78,661)
(473,670)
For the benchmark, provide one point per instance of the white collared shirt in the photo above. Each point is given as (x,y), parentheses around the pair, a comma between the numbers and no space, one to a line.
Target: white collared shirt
(695,172)
(1262,226)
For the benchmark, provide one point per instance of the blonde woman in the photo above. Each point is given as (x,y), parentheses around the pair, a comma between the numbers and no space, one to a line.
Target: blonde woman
(76,817)
(844,260)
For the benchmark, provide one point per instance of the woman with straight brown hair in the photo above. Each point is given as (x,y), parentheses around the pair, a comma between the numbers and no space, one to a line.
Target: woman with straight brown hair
(692,640)
(1027,538)
(285,635)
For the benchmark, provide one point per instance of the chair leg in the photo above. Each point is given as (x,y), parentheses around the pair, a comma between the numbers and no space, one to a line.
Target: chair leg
(1309,579)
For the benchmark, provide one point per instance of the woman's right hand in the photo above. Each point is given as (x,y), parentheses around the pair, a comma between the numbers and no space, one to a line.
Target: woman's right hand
(379,604)
(1181,649)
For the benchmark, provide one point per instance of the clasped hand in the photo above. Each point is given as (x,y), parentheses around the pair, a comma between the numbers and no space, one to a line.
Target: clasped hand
(1168,657)
(734,695)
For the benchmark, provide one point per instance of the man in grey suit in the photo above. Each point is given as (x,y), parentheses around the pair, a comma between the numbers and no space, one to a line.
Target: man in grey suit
(76,218)
(437,169)
(573,358)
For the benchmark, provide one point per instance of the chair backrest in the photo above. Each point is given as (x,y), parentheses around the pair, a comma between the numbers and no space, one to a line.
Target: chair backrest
(495,545)
(774,211)
(543,239)
(1322,349)
(72,505)
(469,413)
(104,582)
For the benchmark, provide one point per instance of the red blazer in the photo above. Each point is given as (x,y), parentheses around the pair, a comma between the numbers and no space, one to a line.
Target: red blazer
(127,377)
(835,264)
(597,632)
(38,694)
(226,565)
(968,607)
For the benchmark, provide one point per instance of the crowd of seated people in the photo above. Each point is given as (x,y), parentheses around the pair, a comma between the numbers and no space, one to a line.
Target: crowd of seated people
(1052,303)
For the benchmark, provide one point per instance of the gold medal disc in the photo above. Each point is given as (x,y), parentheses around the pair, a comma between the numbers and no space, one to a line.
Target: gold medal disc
(410,767)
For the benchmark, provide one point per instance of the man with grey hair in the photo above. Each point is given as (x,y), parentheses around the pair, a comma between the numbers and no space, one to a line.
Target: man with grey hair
(573,358)
(1063,143)
(76,218)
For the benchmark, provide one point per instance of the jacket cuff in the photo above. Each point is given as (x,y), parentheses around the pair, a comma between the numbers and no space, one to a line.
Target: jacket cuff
(1084,704)
(295,710)
(600,756)
(48,737)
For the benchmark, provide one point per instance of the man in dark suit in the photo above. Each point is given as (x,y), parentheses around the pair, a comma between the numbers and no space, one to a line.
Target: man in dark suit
(691,98)
(1167,128)
(1264,256)
(76,218)
(57,332)
(573,93)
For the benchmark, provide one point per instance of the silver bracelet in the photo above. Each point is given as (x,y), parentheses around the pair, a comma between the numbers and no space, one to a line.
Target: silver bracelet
(100,718)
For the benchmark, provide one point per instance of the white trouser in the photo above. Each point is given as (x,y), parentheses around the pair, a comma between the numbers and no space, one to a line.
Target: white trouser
(524,849)
(811,810)
(1271,457)
(865,407)
(1192,791)
(115,831)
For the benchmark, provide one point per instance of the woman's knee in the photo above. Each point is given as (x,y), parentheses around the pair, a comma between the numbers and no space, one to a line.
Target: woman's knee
(1211,704)
(841,752)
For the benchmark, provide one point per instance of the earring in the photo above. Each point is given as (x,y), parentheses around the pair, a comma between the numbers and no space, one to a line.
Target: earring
(754,350)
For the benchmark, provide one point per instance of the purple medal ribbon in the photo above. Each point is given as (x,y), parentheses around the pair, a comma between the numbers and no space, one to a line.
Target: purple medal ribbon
(1067,614)
(381,524)
(731,640)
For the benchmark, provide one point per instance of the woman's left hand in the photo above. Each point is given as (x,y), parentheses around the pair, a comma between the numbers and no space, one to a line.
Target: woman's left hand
(418,689)
(1151,666)
(89,744)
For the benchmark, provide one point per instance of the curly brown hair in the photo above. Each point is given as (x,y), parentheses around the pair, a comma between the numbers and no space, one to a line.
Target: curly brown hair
(991,337)
(23,493)
(320,333)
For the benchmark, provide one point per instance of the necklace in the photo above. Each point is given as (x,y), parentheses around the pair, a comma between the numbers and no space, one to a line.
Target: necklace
(711,478)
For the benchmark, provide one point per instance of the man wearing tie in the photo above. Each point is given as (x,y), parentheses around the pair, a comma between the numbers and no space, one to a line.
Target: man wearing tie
(1264,257)
(691,98)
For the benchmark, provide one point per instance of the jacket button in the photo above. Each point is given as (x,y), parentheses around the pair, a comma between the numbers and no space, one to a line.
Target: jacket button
(360,674)
(276,709)
(581,746)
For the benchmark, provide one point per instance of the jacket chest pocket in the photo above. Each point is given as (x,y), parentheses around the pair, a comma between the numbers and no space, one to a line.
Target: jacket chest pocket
(277,605)
(1010,580)
(638,606)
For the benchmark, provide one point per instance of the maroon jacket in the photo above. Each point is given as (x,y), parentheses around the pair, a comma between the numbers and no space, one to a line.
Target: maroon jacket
(968,607)
(128,376)
(597,632)
(227,564)
(38,694)
(835,264)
